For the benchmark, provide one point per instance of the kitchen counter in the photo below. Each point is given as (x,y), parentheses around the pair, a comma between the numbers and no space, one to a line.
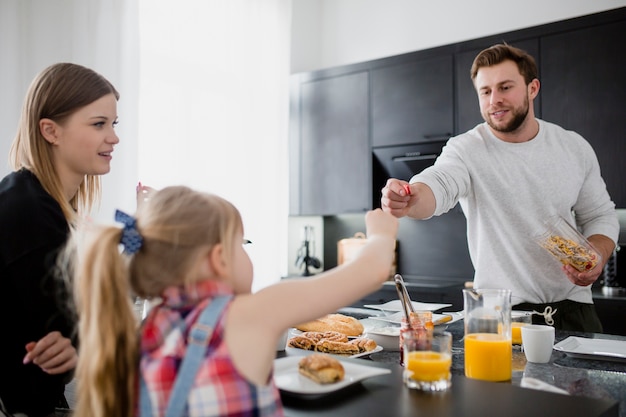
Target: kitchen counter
(596,388)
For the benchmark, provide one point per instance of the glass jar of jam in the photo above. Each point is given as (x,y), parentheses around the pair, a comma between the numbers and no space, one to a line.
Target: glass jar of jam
(421,321)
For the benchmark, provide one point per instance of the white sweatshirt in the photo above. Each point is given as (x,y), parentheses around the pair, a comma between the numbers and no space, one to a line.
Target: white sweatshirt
(507,191)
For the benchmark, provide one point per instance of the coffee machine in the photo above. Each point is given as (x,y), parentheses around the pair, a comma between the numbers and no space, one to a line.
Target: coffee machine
(614,274)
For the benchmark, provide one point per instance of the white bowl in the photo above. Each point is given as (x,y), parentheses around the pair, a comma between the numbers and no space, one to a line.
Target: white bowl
(388,337)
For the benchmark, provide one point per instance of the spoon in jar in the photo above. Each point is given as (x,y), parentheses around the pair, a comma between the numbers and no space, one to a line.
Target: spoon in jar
(403,295)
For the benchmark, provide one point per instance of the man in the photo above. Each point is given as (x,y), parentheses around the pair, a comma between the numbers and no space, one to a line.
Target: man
(510,174)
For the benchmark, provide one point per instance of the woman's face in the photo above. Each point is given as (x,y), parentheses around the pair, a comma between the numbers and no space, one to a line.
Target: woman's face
(84,142)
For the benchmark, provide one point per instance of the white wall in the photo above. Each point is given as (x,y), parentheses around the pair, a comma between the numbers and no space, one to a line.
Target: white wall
(327,33)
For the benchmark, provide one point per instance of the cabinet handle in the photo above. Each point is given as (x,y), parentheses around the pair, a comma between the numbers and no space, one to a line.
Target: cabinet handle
(413,156)
(438,136)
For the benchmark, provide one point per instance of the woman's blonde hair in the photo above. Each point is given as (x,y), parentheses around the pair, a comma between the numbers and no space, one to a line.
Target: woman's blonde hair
(177,226)
(56,93)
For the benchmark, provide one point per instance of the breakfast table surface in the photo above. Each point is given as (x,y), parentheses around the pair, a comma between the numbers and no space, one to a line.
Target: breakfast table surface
(594,388)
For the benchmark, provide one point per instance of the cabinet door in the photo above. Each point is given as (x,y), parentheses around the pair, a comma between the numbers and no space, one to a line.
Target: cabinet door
(467,107)
(412,102)
(584,89)
(335,163)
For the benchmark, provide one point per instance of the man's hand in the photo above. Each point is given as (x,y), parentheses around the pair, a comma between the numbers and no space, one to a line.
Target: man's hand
(396,197)
(582,279)
(604,246)
(400,199)
(53,353)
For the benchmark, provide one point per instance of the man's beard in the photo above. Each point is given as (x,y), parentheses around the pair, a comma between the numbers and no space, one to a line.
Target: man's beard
(519,115)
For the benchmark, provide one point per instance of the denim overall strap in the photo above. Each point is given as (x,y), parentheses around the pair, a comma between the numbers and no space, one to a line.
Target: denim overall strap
(199,337)
(145,407)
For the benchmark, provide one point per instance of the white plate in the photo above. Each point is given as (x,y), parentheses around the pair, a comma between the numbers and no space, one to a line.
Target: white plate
(288,378)
(396,318)
(586,348)
(394,305)
(291,351)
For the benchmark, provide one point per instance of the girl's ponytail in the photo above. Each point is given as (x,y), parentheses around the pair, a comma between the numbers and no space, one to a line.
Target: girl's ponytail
(108,353)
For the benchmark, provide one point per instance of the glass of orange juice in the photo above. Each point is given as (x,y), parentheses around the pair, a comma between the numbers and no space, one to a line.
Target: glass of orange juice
(427,360)
(519,319)
(488,348)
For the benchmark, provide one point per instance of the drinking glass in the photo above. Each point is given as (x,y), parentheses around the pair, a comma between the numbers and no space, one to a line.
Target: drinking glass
(488,349)
(518,320)
(428,358)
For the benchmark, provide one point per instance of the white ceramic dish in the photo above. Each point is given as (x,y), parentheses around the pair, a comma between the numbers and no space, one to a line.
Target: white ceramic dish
(394,305)
(396,318)
(387,334)
(388,337)
(291,351)
(289,379)
(587,348)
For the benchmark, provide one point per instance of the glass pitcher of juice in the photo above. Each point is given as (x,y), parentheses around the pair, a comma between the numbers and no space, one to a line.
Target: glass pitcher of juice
(488,350)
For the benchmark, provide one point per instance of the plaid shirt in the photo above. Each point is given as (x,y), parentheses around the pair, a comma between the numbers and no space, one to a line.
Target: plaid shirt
(219,389)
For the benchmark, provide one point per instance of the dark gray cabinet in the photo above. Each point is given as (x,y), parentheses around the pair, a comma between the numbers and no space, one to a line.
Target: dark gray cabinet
(334,153)
(412,102)
(340,115)
(584,79)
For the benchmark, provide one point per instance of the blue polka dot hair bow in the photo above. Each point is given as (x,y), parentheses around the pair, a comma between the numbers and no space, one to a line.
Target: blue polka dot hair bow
(131,239)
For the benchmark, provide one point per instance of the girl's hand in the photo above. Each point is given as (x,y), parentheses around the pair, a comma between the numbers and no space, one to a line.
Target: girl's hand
(143,193)
(379,222)
(53,353)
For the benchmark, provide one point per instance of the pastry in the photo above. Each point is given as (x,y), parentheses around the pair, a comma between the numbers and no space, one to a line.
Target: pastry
(322,369)
(333,322)
(331,342)
(364,344)
(334,336)
(337,348)
(302,342)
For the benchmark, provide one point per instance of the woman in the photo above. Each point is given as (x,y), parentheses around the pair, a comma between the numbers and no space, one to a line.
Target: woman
(64,142)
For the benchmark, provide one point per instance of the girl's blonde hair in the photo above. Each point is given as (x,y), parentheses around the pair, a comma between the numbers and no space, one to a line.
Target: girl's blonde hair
(56,93)
(177,225)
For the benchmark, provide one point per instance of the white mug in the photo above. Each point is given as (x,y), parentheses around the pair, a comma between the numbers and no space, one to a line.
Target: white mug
(537,342)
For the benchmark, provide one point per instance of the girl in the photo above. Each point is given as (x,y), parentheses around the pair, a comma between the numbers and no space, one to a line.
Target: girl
(187,248)
(63,144)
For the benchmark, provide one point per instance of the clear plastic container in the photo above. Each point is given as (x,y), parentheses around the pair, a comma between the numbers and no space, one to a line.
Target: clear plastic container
(567,245)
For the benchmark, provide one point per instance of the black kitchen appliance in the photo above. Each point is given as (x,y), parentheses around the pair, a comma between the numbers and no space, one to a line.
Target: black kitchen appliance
(403,161)
(614,274)
(429,251)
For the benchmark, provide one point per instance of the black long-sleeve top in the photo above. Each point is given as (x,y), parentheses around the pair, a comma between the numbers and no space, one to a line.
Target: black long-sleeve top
(33,302)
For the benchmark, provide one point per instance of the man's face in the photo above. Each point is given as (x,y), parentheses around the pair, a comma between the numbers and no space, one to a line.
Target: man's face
(503,96)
